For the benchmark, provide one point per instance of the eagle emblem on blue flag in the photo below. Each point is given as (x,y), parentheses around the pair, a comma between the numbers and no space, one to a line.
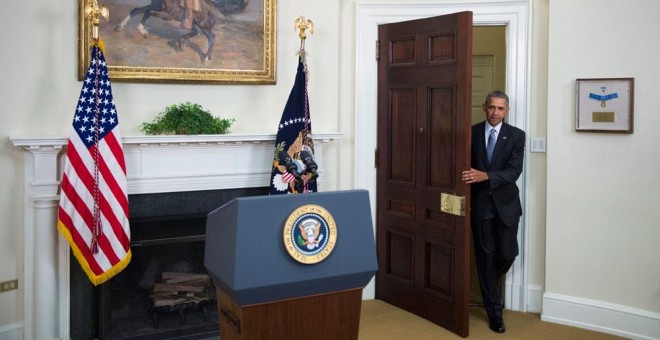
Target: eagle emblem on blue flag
(294,169)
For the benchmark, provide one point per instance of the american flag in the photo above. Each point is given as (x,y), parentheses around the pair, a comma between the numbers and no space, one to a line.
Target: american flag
(293,136)
(93,210)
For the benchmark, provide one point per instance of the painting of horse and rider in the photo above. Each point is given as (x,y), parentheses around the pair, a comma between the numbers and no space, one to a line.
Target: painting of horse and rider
(189,41)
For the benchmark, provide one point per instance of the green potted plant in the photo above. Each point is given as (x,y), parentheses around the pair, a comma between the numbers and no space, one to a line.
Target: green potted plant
(186,119)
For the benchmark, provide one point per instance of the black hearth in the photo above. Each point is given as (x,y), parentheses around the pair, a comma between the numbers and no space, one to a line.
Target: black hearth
(167,236)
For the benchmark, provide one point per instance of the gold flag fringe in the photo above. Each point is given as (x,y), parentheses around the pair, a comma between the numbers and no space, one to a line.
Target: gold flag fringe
(96,279)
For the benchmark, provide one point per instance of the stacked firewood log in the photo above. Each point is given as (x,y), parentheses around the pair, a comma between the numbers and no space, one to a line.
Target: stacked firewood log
(180,288)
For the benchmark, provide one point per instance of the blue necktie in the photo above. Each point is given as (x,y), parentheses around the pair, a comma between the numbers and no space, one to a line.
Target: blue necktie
(492,138)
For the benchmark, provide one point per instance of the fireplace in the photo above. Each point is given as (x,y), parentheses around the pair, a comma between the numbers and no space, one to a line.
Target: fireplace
(164,292)
(167,165)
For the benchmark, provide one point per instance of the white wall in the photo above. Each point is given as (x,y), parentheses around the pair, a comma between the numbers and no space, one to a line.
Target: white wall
(536,165)
(39,89)
(602,216)
(603,221)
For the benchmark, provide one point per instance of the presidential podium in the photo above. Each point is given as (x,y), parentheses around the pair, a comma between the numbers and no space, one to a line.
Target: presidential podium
(291,266)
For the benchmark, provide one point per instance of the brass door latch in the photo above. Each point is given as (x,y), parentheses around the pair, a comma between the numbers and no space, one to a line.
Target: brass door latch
(452,204)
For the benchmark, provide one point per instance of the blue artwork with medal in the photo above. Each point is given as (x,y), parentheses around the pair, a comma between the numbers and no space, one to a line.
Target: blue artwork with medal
(604,105)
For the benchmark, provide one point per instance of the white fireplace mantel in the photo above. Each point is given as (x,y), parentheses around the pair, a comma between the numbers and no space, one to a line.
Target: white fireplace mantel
(154,164)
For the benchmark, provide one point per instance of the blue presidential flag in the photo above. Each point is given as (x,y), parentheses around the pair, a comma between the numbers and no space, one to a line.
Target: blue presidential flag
(294,169)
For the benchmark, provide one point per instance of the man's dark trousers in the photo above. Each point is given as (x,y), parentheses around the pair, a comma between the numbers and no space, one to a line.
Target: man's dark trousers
(496,247)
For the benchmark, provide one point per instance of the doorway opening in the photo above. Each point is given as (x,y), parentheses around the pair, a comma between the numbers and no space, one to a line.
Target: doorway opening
(488,73)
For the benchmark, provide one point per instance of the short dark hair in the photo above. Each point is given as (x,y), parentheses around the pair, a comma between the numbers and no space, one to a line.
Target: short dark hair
(497,94)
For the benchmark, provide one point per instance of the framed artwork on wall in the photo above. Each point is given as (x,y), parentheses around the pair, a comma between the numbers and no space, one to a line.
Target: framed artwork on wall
(605,105)
(158,41)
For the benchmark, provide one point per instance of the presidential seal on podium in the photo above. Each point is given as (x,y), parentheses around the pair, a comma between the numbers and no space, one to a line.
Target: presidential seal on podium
(310,234)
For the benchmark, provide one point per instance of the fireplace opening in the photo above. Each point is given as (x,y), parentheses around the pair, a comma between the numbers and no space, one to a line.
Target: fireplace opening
(164,292)
(136,309)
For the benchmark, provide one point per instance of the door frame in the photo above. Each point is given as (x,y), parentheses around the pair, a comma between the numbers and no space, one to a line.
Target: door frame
(516,16)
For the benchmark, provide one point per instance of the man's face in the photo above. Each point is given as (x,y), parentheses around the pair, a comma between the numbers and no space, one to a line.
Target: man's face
(495,110)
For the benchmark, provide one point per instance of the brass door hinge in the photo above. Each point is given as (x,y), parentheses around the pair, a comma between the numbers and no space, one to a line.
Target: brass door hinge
(377,50)
(376,159)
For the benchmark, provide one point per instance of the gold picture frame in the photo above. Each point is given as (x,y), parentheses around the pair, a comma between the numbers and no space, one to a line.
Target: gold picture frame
(243,51)
(604,105)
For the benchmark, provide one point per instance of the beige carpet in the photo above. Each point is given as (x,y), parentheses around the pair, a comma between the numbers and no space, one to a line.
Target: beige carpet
(382,321)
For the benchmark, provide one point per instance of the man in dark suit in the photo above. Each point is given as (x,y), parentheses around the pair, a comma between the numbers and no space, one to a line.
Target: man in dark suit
(498,150)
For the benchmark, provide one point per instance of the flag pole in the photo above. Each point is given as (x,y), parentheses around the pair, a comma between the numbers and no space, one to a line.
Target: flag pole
(303,24)
(93,211)
(294,169)
(94,12)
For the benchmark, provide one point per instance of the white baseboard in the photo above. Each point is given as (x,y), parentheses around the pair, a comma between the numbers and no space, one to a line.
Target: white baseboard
(534,298)
(601,316)
(12,331)
(521,299)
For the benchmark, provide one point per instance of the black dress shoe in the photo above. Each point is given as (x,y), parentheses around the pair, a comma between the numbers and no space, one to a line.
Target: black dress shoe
(497,325)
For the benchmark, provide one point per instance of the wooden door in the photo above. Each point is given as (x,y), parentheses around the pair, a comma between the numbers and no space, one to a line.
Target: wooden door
(424,95)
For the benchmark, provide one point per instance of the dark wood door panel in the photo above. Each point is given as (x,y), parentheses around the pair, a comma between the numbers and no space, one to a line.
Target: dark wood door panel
(442,47)
(402,143)
(401,207)
(424,119)
(439,277)
(402,76)
(399,264)
(441,160)
(402,51)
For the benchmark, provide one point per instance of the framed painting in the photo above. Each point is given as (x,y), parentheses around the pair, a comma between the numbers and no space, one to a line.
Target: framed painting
(184,41)
(605,105)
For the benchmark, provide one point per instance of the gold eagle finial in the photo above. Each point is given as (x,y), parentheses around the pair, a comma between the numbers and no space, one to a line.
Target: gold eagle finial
(94,11)
(303,25)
